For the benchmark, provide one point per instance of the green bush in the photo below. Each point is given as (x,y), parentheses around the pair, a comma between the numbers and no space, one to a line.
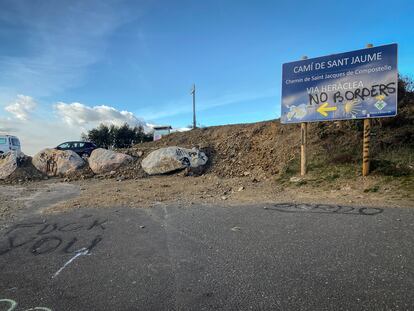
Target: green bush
(113,136)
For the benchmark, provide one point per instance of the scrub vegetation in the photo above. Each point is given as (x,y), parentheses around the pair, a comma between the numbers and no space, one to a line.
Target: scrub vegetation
(112,136)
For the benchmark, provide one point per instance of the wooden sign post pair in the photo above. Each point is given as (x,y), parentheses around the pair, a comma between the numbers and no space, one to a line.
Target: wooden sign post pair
(365,149)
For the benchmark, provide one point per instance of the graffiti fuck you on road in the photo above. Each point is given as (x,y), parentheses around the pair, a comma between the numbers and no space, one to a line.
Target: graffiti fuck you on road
(354,85)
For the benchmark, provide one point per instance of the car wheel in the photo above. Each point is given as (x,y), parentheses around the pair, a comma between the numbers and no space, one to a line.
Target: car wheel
(85,156)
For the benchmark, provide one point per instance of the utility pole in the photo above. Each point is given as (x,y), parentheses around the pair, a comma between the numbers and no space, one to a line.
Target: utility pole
(194,112)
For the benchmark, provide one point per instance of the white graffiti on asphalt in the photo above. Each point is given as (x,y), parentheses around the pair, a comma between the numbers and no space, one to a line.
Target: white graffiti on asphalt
(13,305)
(82,252)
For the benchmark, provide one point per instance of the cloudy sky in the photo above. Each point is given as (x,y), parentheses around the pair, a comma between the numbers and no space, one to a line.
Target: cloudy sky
(67,66)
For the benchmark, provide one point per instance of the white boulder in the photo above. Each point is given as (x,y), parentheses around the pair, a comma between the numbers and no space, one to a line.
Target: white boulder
(53,162)
(170,159)
(104,161)
(9,162)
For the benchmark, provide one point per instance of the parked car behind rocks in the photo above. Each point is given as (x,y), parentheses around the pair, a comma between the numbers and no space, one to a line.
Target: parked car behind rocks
(82,148)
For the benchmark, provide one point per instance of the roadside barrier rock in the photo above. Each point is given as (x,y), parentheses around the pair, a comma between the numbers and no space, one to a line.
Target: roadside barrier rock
(103,161)
(9,162)
(171,159)
(53,162)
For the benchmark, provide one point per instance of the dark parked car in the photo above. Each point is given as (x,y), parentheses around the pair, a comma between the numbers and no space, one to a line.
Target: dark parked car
(84,149)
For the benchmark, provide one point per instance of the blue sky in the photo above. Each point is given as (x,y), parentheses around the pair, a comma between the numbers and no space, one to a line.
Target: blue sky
(136,60)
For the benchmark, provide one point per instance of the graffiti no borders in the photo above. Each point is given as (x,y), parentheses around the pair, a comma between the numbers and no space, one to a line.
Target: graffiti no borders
(354,85)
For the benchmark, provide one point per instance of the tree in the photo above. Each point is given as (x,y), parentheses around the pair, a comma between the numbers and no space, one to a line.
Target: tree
(113,136)
(100,136)
(405,86)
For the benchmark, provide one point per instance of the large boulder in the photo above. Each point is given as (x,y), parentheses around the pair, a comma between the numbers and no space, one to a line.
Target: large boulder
(170,159)
(103,160)
(53,162)
(10,161)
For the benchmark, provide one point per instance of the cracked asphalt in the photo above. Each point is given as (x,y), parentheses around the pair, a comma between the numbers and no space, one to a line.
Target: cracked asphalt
(284,257)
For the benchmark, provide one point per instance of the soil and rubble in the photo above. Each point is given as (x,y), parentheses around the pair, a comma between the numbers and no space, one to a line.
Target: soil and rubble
(259,163)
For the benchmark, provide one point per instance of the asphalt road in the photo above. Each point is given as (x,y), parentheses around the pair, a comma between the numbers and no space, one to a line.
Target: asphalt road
(283,257)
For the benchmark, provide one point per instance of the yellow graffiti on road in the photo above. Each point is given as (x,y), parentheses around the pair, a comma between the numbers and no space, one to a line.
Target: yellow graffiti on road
(323,109)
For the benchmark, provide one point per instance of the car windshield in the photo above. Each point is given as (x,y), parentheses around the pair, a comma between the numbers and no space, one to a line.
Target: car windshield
(64,145)
(3,140)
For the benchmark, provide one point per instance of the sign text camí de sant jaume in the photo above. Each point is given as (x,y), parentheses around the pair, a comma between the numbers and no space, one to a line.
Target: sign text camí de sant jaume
(354,85)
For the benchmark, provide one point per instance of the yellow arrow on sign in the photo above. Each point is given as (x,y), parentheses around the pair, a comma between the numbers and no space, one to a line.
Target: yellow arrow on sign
(323,109)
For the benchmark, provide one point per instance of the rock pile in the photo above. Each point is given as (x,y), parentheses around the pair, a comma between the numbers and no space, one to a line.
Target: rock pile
(256,151)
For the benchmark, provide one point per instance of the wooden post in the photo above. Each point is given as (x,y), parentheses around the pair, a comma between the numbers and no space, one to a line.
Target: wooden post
(366,141)
(303,143)
(365,149)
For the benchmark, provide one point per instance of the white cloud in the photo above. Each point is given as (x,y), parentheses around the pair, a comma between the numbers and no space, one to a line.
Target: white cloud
(68,123)
(78,114)
(181,129)
(22,107)
(37,134)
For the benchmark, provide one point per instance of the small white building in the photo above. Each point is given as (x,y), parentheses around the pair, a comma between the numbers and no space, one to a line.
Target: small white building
(161,130)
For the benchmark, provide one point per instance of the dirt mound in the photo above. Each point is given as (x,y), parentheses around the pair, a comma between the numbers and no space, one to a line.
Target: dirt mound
(259,149)
(25,172)
(266,149)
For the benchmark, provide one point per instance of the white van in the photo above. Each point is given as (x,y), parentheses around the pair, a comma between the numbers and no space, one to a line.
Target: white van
(8,142)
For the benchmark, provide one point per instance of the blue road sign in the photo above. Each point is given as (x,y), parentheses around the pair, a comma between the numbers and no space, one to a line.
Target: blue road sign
(354,85)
